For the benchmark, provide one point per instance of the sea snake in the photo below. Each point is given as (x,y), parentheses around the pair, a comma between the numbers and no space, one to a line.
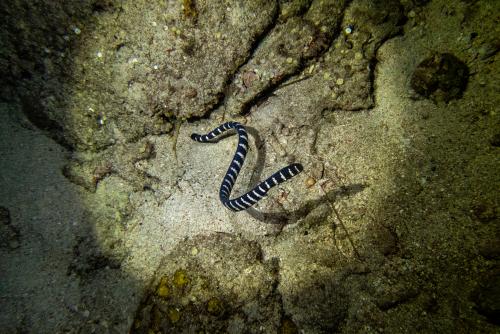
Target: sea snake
(253,196)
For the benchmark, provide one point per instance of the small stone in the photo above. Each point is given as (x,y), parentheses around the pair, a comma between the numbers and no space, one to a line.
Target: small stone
(249,77)
(310,182)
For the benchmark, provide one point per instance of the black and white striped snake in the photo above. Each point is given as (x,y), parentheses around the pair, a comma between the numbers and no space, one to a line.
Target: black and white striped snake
(253,196)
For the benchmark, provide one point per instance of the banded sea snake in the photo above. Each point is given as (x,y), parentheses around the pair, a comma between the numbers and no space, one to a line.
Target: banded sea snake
(258,192)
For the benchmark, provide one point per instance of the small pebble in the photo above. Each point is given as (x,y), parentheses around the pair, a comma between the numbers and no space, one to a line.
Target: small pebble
(310,182)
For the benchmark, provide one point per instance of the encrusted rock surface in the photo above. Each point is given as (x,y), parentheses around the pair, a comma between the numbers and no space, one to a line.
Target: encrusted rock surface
(392,226)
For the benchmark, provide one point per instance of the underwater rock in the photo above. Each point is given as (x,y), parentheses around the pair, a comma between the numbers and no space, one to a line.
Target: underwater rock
(224,286)
(440,77)
(91,78)
(120,160)
(342,77)
(312,43)
(282,53)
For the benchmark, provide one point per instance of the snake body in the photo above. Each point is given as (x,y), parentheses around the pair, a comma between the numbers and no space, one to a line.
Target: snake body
(258,192)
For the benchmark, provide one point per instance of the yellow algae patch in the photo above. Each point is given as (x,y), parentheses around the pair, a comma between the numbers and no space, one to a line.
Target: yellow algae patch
(163,290)
(181,279)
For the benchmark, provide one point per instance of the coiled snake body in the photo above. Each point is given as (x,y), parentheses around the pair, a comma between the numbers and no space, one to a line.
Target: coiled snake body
(253,196)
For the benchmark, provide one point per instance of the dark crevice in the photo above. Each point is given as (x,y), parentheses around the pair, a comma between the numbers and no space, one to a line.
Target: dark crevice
(221,99)
(258,41)
(371,80)
(268,91)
